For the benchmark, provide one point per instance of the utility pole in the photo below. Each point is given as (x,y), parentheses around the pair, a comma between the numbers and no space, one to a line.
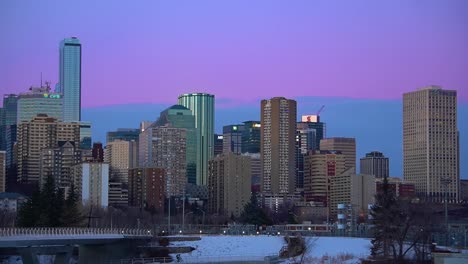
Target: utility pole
(183,212)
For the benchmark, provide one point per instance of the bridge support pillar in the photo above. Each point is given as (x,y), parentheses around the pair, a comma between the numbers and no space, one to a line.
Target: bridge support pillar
(29,255)
(94,254)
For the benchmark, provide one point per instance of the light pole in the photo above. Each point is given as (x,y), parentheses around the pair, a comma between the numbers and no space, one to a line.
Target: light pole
(203,221)
(445,181)
(183,218)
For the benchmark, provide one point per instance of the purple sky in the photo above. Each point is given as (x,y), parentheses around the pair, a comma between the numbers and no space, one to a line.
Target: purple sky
(152,51)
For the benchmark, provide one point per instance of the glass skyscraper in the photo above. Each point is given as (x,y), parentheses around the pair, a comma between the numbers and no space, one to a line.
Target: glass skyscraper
(39,100)
(202,106)
(70,78)
(179,116)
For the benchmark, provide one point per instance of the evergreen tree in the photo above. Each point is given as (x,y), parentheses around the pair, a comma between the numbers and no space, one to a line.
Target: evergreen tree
(30,211)
(47,202)
(254,214)
(71,215)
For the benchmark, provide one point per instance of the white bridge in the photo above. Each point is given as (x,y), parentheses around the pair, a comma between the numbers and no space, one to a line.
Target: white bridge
(95,245)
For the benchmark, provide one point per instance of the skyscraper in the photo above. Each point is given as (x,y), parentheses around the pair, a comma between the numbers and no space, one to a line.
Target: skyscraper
(8,115)
(165,147)
(375,163)
(218,144)
(70,78)
(37,134)
(430,142)
(179,116)
(232,138)
(3,179)
(202,106)
(346,145)
(251,137)
(127,134)
(39,100)
(313,123)
(278,128)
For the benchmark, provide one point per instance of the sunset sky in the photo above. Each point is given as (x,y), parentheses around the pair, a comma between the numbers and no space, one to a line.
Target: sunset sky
(241,51)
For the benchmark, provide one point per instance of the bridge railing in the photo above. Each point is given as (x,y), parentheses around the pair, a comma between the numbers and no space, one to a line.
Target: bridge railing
(74,231)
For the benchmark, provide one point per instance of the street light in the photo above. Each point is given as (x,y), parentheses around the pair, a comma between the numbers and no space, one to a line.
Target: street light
(183,218)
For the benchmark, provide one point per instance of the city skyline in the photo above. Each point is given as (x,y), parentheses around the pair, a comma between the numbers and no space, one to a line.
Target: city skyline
(423,45)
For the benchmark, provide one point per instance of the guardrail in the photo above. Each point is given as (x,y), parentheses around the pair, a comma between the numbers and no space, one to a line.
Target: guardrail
(72,231)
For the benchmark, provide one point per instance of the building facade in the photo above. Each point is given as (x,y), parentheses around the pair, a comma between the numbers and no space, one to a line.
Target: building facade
(202,107)
(118,195)
(251,137)
(431,142)
(375,163)
(232,138)
(351,189)
(319,167)
(347,146)
(91,180)
(33,136)
(3,179)
(126,134)
(121,156)
(278,129)
(165,147)
(39,100)
(85,135)
(179,116)
(146,187)
(70,78)
(58,162)
(229,184)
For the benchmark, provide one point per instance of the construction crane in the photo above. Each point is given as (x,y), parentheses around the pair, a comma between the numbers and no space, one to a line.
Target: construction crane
(320,110)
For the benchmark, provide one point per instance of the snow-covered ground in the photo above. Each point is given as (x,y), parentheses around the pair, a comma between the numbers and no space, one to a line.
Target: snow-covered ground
(257,247)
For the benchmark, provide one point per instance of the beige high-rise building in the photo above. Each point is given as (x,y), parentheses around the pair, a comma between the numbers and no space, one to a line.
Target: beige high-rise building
(229,183)
(165,147)
(121,155)
(430,142)
(2,171)
(319,167)
(347,146)
(40,133)
(278,129)
(351,189)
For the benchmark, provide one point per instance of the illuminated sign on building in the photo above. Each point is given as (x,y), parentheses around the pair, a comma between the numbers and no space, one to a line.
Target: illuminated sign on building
(310,118)
(51,96)
(220,137)
(256,125)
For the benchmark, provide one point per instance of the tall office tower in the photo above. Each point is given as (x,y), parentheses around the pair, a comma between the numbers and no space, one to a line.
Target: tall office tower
(91,180)
(251,137)
(2,130)
(351,189)
(312,122)
(346,145)
(57,163)
(218,144)
(229,183)
(85,135)
(98,152)
(431,143)
(146,188)
(121,156)
(179,116)
(3,171)
(39,100)
(202,106)
(232,138)
(165,147)
(35,135)
(305,142)
(319,167)
(375,163)
(11,163)
(278,128)
(70,78)
(127,134)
